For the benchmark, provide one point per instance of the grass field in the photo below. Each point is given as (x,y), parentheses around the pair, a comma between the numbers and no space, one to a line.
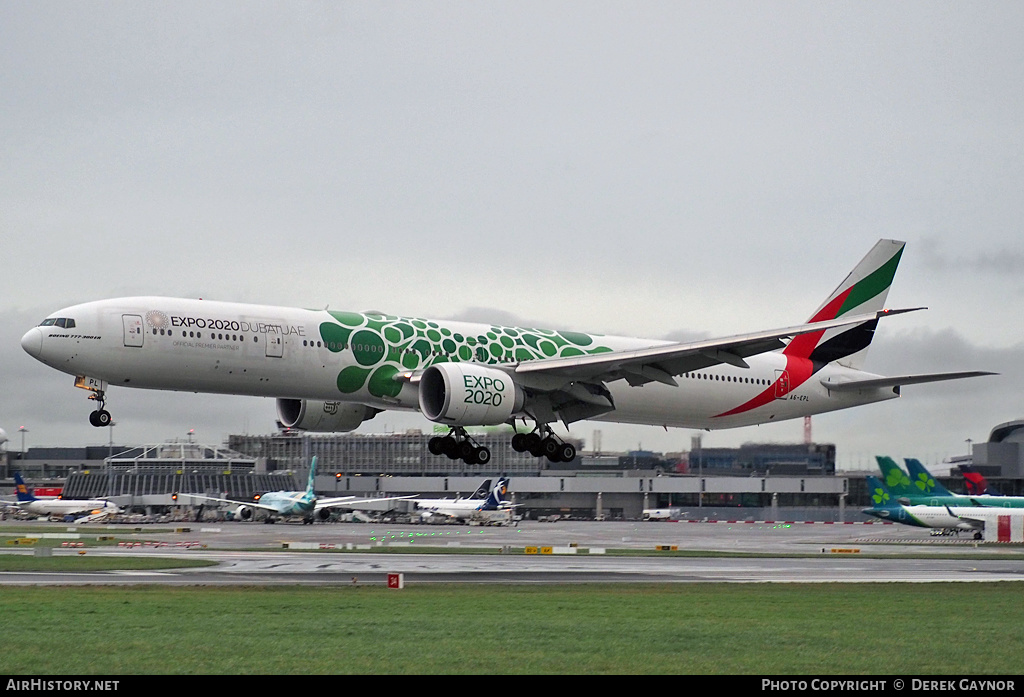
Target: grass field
(830,629)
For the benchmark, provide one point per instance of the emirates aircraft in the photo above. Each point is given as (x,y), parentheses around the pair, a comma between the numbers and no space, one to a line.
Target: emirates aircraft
(332,370)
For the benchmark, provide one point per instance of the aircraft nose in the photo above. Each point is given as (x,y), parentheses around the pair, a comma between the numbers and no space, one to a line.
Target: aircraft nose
(32,342)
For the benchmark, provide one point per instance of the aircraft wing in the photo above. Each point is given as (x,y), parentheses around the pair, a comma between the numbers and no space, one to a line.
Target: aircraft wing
(351,501)
(251,504)
(973,522)
(662,363)
(897,381)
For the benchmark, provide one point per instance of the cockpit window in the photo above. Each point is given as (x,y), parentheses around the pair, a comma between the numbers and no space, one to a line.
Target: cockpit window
(65,322)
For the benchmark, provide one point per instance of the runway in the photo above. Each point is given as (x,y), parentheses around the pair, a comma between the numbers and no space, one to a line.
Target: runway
(253,554)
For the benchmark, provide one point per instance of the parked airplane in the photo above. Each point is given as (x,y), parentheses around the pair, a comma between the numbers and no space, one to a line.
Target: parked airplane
(970,518)
(467,509)
(282,504)
(976,482)
(27,501)
(923,489)
(331,370)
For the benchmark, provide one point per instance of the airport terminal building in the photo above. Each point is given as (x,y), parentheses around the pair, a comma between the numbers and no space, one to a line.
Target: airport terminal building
(749,482)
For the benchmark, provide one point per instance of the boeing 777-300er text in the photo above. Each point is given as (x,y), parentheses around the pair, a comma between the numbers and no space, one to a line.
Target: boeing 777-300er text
(332,370)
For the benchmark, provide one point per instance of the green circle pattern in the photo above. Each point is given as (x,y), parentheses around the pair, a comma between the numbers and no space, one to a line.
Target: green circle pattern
(383,345)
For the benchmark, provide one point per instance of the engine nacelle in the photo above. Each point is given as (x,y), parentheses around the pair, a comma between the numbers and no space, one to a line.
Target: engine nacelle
(313,415)
(243,513)
(467,394)
(323,515)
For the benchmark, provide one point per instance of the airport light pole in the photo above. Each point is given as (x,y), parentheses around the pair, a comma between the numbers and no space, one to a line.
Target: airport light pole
(22,430)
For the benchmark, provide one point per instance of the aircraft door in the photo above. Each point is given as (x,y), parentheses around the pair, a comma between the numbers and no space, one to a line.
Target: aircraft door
(133,334)
(781,384)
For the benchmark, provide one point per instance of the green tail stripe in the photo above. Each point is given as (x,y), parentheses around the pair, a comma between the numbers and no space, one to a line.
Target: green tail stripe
(875,283)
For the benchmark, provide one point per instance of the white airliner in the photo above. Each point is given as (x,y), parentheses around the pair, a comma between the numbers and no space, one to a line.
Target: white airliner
(331,370)
(281,504)
(27,501)
(467,509)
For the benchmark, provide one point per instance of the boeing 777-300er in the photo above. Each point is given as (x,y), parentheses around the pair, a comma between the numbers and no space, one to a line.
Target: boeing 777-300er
(331,370)
(282,504)
(27,501)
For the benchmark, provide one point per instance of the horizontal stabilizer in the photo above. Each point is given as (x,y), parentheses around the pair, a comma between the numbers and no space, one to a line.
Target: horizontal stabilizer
(897,381)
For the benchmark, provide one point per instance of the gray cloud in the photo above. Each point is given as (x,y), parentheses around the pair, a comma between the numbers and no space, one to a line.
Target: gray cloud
(661,169)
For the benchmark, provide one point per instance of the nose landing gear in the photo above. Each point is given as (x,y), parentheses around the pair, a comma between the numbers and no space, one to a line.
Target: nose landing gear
(101,417)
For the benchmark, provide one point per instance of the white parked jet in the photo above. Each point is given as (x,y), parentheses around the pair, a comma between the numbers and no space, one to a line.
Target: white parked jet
(27,501)
(331,370)
(467,509)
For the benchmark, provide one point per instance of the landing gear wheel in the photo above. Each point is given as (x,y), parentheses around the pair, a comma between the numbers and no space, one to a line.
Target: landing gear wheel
(482,456)
(467,451)
(519,442)
(549,446)
(567,452)
(436,445)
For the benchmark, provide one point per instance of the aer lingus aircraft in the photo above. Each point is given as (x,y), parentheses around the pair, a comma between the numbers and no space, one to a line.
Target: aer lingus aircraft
(331,370)
(1005,522)
(920,487)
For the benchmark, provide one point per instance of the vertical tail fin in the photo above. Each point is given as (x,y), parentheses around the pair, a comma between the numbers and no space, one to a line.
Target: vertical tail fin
(312,477)
(497,495)
(863,291)
(923,480)
(896,480)
(977,485)
(482,491)
(879,494)
(23,492)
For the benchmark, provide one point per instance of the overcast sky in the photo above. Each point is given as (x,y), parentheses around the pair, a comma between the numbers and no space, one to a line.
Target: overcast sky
(660,169)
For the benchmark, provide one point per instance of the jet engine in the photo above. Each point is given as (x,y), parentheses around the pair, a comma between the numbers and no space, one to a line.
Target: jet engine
(312,415)
(467,394)
(243,513)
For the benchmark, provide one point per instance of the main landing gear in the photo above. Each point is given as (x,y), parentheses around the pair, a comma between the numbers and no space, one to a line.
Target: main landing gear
(101,417)
(542,442)
(458,445)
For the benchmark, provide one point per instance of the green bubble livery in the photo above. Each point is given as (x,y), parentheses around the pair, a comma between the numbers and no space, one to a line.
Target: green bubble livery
(384,345)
